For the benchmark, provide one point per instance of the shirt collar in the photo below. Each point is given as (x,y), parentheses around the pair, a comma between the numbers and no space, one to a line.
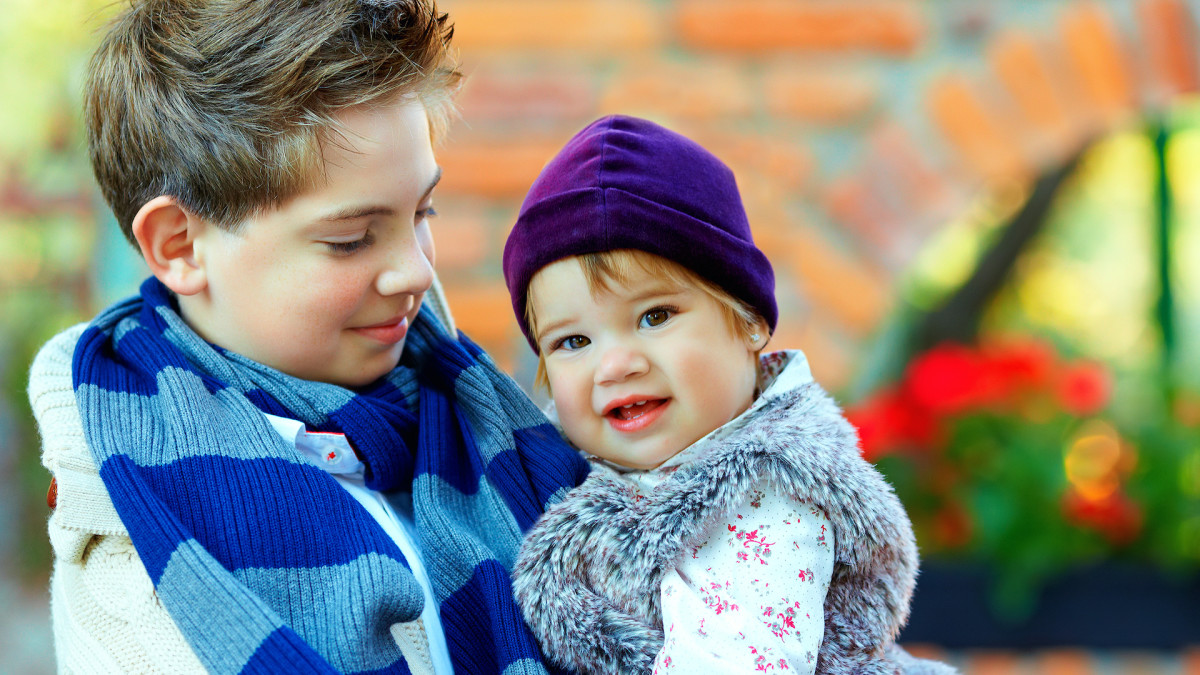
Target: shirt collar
(328,451)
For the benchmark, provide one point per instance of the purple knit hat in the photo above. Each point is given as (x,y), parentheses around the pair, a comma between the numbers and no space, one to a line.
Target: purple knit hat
(626,183)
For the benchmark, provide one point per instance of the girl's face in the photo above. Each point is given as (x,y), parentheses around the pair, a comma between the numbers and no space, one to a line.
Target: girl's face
(641,371)
(325,286)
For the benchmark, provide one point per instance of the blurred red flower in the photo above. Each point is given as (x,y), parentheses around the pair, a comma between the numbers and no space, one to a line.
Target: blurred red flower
(1084,388)
(1016,367)
(1116,516)
(888,421)
(953,526)
(946,379)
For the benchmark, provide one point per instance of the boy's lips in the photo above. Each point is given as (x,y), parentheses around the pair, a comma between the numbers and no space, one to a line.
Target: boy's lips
(635,413)
(388,333)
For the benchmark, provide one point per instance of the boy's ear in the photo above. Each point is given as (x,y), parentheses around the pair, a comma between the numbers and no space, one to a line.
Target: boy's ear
(166,233)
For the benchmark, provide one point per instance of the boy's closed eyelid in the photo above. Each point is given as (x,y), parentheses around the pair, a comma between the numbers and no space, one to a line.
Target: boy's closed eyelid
(349,246)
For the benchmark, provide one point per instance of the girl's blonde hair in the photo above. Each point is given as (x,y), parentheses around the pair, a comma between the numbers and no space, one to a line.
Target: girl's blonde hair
(602,270)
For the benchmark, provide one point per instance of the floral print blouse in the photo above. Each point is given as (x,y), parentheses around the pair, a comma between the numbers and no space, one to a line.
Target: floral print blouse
(751,597)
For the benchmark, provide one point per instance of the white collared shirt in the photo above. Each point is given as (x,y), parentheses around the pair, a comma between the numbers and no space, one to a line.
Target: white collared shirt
(332,453)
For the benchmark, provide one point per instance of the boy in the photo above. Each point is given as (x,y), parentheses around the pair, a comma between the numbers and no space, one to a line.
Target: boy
(731,524)
(278,456)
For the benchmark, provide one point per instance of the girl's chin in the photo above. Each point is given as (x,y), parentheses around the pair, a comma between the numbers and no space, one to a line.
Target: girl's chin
(637,463)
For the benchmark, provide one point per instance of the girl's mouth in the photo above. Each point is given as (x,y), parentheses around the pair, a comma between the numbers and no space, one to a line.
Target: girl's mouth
(638,415)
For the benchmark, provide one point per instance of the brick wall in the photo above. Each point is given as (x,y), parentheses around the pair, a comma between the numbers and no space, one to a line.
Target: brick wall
(856,127)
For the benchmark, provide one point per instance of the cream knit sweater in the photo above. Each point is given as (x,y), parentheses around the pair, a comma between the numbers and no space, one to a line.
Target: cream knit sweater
(106,615)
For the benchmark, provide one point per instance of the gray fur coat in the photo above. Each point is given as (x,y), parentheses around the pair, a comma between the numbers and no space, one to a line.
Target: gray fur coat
(588,575)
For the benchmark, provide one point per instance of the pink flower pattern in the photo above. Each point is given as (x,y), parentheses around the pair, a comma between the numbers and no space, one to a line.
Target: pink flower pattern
(751,598)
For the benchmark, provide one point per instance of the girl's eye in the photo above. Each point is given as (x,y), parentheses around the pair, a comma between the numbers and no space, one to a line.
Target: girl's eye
(426,213)
(656,317)
(571,343)
(348,247)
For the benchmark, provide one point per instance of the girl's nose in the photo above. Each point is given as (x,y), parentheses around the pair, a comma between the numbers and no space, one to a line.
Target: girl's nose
(619,363)
(408,270)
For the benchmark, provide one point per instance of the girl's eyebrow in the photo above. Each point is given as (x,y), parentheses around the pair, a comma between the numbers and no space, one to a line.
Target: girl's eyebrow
(543,331)
(655,290)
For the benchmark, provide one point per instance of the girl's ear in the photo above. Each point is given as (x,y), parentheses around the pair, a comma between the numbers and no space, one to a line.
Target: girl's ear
(758,336)
(166,233)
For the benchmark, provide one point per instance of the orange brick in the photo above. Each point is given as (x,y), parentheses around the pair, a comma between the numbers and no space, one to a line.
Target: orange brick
(772,234)
(1190,661)
(925,192)
(1020,64)
(578,25)
(890,27)
(484,312)
(1098,60)
(1064,662)
(680,90)
(1169,41)
(1144,662)
(762,157)
(855,207)
(462,236)
(496,167)
(515,97)
(991,662)
(927,651)
(830,352)
(819,96)
(980,138)
(838,283)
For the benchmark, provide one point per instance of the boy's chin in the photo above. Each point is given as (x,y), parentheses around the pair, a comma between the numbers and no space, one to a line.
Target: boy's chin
(362,378)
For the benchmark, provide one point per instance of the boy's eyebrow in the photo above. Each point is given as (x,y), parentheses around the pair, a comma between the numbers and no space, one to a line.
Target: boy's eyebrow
(437,178)
(354,212)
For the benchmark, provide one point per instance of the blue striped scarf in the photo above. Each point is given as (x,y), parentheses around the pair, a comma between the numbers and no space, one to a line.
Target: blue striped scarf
(263,561)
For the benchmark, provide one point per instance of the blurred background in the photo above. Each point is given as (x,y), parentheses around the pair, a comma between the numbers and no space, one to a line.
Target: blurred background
(984,219)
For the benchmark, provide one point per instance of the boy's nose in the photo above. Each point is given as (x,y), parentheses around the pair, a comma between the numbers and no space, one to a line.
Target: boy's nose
(408,271)
(619,363)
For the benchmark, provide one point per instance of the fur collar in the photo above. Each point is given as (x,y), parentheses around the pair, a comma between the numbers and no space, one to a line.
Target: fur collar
(588,574)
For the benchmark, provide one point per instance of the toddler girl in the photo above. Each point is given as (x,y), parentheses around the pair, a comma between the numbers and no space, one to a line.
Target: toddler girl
(729,523)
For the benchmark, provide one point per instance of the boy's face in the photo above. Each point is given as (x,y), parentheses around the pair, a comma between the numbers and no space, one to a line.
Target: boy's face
(642,371)
(325,286)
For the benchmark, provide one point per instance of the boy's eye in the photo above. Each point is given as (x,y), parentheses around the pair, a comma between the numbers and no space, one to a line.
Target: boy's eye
(426,213)
(656,317)
(571,343)
(348,247)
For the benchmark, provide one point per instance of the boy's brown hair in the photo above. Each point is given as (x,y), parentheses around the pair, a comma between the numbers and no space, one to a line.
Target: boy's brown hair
(226,104)
(601,270)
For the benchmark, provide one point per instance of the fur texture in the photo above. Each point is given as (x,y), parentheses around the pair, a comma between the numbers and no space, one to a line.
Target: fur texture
(589,572)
